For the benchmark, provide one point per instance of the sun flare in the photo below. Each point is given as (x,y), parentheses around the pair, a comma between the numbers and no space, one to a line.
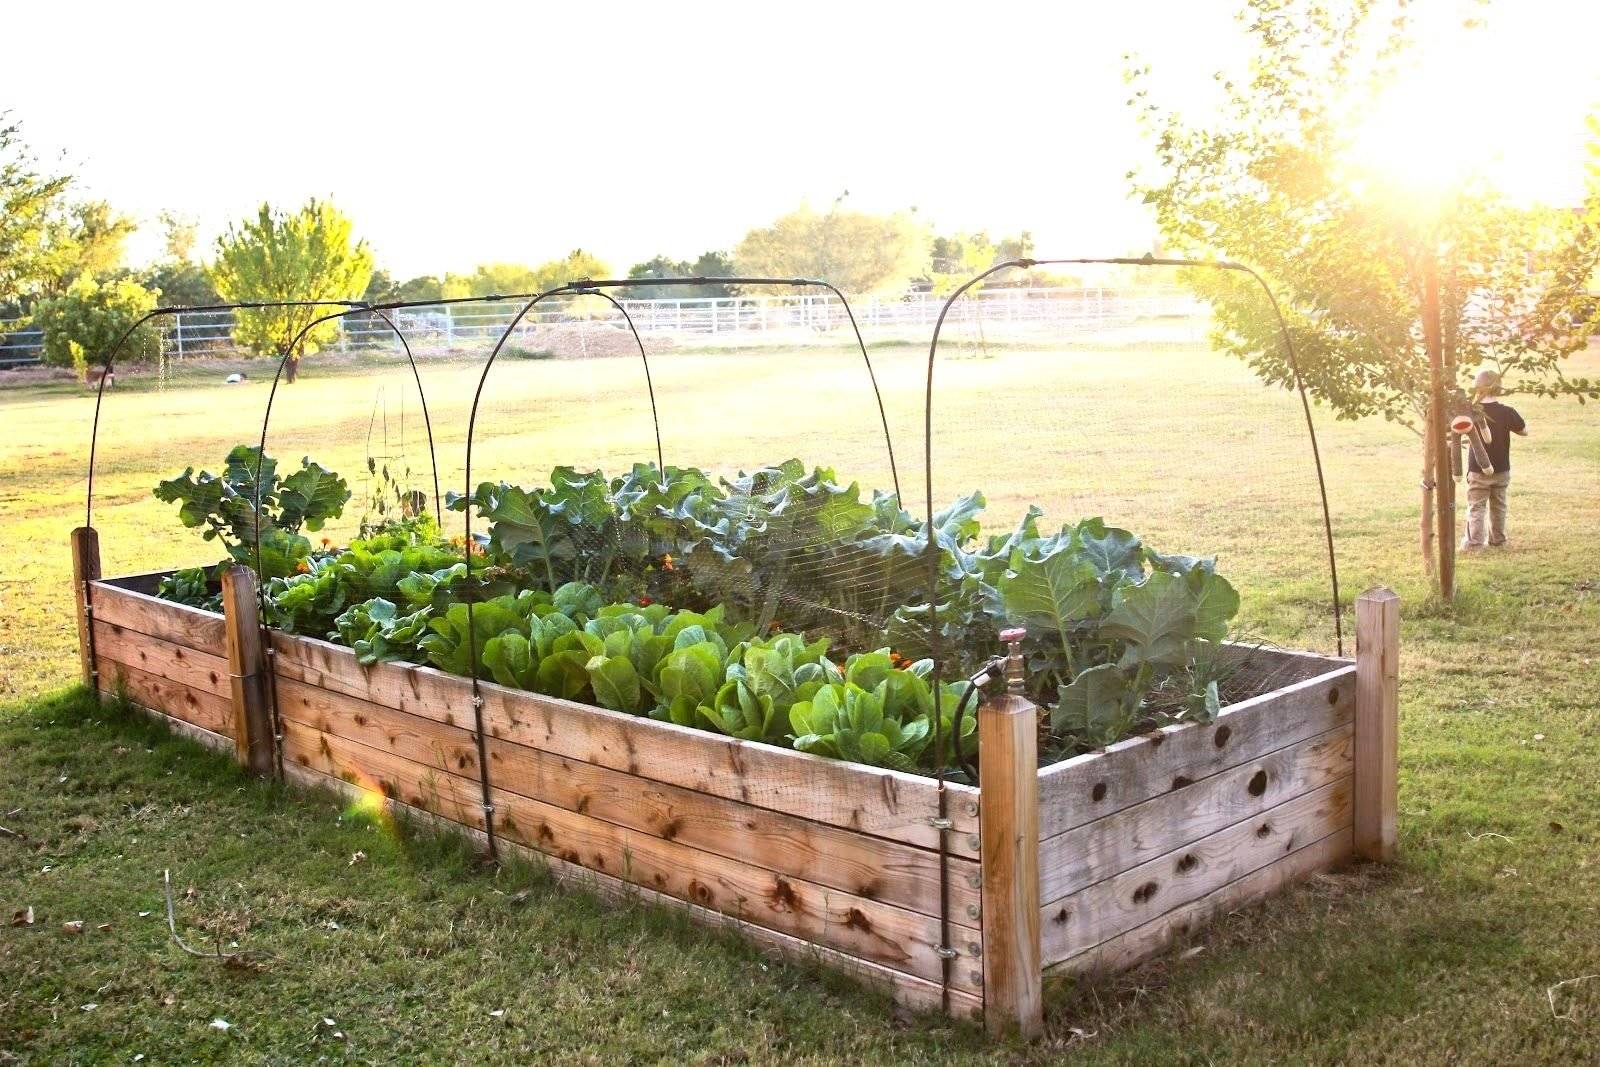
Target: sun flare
(1476,105)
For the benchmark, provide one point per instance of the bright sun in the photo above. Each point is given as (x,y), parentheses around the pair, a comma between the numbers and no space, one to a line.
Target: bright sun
(1481,104)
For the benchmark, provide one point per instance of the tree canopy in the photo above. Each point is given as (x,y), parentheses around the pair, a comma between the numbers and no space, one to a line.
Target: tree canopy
(708,265)
(29,200)
(858,252)
(384,288)
(176,277)
(309,254)
(489,279)
(1277,183)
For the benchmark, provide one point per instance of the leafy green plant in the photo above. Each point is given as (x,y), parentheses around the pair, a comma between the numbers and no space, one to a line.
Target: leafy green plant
(378,632)
(881,715)
(191,586)
(90,317)
(589,588)
(224,506)
(764,680)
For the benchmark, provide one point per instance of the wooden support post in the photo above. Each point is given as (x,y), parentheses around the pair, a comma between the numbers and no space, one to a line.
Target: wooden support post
(1008,813)
(254,744)
(1377,723)
(85,569)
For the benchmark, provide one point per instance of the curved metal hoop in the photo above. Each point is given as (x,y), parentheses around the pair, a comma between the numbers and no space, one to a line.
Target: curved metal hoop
(932,550)
(116,349)
(472,422)
(1147,261)
(597,287)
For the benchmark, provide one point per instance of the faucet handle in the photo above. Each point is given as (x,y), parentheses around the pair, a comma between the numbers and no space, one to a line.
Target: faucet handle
(1015,675)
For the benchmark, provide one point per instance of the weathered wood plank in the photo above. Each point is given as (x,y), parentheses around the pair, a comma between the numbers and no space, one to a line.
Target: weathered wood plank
(144,582)
(882,933)
(911,992)
(188,730)
(870,800)
(1097,850)
(1097,784)
(1274,668)
(85,569)
(1377,724)
(1142,942)
(1008,761)
(840,859)
(178,623)
(306,713)
(174,699)
(872,867)
(385,773)
(1118,904)
(203,671)
(256,747)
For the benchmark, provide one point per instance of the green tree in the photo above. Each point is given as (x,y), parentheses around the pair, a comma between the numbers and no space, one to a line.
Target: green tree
(858,252)
(384,288)
(29,201)
(708,265)
(176,276)
(84,241)
(1275,182)
(81,324)
(489,279)
(422,287)
(310,254)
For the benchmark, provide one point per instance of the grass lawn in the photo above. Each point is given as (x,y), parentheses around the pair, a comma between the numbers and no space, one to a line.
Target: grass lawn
(410,948)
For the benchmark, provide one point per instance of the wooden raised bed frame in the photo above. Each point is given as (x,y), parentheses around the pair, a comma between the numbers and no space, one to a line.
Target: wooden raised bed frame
(1091,864)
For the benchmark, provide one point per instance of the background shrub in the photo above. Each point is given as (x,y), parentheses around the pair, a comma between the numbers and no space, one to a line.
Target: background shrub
(91,316)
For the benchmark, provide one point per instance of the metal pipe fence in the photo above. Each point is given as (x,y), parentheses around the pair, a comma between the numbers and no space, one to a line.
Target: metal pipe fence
(210,333)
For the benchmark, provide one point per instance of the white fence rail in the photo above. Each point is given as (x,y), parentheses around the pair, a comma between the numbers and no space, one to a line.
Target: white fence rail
(199,333)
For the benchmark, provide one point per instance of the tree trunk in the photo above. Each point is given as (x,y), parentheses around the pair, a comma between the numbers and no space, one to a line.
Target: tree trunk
(1430,564)
(291,370)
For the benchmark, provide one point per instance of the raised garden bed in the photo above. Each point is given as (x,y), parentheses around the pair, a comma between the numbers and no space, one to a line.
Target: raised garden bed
(1093,863)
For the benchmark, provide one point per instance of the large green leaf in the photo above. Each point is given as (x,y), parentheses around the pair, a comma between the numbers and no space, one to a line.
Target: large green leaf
(615,683)
(1215,603)
(512,660)
(1098,708)
(310,497)
(1156,618)
(564,673)
(692,673)
(1114,552)
(1055,590)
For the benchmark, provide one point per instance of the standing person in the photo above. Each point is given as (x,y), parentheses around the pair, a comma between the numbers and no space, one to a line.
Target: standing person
(1486,492)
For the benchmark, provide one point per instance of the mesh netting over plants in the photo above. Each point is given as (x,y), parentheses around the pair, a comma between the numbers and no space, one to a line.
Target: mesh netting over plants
(580,497)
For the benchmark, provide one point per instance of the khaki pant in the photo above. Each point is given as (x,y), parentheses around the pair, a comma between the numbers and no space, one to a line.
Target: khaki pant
(1486,508)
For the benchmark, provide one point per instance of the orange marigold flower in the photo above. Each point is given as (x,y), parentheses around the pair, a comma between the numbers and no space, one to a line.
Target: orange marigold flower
(326,542)
(302,567)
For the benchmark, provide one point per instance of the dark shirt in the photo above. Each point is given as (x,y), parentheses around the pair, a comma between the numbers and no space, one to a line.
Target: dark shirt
(1503,421)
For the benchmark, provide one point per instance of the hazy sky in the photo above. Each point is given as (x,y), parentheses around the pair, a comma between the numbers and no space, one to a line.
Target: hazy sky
(455,134)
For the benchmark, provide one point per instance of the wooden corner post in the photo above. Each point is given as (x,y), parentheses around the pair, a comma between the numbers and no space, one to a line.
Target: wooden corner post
(1008,775)
(85,569)
(254,744)
(1377,724)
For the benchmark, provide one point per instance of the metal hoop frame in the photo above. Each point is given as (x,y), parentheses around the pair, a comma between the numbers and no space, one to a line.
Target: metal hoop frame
(598,287)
